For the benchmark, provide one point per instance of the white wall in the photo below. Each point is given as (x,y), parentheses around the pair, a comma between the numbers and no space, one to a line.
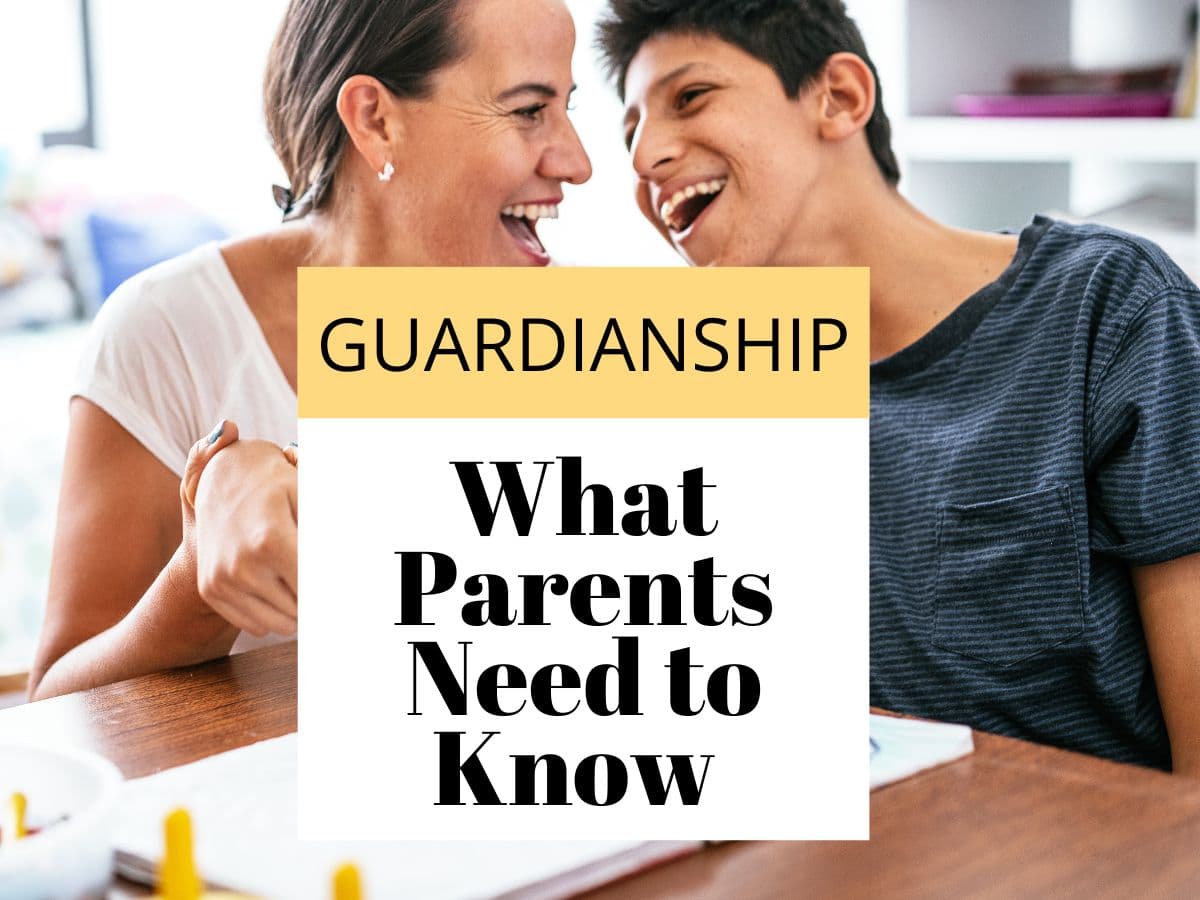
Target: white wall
(40,71)
(600,223)
(178,95)
(1118,32)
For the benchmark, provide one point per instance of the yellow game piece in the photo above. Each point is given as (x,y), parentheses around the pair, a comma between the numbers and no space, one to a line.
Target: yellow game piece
(347,885)
(177,876)
(16,817)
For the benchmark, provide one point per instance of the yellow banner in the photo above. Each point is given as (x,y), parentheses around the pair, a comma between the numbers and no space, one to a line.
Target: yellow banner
(583,343)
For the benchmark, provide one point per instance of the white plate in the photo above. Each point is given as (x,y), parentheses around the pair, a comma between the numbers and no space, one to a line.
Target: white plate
(72,857)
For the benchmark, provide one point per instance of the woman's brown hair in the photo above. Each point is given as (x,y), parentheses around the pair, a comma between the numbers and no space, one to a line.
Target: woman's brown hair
(319,45)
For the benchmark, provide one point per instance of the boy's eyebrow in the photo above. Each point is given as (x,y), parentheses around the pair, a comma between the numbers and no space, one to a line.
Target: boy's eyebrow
(532,87)
(659,82)
(674,73)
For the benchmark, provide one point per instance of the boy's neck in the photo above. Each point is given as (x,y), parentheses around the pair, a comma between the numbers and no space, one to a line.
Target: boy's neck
(921,270)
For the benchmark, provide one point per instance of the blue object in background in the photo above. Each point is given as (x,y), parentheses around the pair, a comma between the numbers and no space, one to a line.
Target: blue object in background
(120,241)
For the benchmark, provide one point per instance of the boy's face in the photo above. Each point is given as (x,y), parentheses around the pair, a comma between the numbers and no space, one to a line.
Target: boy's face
(726,163)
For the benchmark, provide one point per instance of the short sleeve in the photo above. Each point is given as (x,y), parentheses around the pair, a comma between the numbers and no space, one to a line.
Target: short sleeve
(1144,435)
(133,367)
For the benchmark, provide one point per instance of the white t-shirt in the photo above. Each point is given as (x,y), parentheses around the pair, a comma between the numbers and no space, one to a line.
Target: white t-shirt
(176,349)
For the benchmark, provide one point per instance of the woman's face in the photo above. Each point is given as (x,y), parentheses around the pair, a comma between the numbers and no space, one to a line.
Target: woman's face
(727,164)
(484,156)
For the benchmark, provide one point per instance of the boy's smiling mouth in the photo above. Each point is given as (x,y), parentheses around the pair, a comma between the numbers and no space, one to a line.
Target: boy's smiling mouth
(683,207)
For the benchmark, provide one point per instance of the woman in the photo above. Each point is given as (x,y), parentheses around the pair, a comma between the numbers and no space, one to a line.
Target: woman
(413,133)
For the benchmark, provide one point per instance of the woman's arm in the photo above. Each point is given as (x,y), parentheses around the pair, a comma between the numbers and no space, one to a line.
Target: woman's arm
(141,579)
(1169,600)
(119,537)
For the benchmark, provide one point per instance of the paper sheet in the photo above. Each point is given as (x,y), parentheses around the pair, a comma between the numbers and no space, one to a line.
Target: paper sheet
(904,747)
(243,807)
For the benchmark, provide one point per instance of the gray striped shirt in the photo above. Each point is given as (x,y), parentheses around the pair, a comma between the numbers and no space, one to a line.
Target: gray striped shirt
(1025,453)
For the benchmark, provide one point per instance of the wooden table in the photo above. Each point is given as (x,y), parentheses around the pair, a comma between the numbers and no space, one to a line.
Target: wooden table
(1011,820)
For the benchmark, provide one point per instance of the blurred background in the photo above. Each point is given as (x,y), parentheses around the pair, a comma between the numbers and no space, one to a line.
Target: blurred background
(131,130)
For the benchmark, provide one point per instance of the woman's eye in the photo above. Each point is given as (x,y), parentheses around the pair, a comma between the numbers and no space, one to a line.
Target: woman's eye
(687,96)
(532,113)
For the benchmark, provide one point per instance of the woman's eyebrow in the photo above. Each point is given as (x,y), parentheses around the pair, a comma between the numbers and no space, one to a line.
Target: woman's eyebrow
(532,87)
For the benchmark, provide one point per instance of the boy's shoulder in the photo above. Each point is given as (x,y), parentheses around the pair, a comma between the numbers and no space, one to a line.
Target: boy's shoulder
(1100,277)
(1106,258)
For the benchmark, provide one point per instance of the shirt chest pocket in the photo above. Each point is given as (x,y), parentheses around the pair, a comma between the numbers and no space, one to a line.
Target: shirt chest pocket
(1009,582)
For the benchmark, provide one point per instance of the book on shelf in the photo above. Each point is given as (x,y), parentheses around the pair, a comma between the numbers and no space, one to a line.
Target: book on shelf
(1071,80)
(1189,77)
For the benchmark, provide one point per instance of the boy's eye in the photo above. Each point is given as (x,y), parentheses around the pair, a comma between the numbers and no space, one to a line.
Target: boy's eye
(687,95)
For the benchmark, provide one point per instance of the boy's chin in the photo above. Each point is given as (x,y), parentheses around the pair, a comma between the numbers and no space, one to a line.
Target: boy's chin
(726,258)
(716,250)
(702,257)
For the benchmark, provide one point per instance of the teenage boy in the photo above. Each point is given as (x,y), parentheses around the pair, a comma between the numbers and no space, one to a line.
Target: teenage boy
(1035,399)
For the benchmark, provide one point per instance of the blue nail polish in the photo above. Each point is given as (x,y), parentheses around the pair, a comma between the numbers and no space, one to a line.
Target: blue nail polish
(293,444)
(216,433)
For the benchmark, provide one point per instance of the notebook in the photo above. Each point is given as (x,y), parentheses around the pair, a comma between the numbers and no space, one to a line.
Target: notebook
(243,808)
(901,748)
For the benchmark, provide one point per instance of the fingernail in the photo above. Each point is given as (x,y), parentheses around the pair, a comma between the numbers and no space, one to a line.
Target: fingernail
(216,433)
(293,444)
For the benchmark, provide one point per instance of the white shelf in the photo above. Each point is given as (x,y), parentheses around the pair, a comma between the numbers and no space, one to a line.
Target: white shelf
(962,139)
(990,173)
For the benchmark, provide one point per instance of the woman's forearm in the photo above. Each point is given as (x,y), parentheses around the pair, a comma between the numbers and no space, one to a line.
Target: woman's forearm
(169,626)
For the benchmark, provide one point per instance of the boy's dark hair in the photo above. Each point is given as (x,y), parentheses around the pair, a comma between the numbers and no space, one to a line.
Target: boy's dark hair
(793,37)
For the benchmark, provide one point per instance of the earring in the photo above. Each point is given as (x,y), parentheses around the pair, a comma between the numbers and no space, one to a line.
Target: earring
(386,173)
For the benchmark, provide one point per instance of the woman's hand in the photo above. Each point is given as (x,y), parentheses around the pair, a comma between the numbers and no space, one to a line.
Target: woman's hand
(240,517)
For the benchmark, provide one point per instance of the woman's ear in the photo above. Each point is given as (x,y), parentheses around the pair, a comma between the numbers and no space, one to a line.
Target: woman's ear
(847,96)
(369,112)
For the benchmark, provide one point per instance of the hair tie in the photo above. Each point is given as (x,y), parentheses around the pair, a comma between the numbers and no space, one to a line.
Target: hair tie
(284,199)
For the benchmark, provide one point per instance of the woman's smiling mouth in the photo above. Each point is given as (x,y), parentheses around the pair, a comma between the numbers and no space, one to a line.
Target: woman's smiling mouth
(520,221)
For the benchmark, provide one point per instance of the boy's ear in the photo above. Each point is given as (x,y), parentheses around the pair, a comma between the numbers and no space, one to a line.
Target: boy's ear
(847,96)
(371,115)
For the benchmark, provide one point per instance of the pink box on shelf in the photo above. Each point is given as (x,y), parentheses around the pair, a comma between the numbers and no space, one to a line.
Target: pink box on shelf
(1141,104)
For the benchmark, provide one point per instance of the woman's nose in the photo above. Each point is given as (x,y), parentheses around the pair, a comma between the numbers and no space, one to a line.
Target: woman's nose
(565,159)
